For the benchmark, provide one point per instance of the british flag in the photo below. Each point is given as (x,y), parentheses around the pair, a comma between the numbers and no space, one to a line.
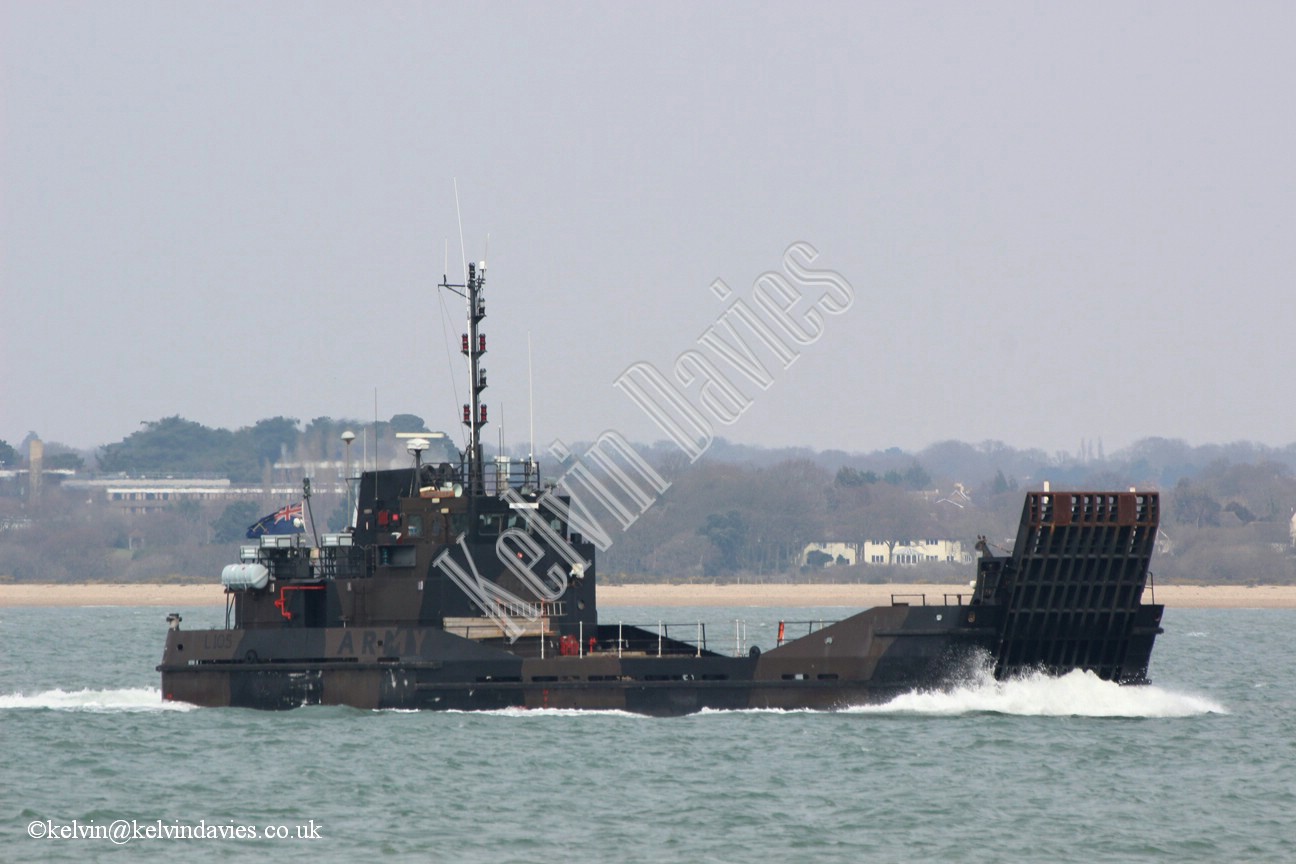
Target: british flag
(285,520)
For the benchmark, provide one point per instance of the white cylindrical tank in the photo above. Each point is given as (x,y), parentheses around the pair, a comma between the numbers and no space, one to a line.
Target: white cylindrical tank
(244,577)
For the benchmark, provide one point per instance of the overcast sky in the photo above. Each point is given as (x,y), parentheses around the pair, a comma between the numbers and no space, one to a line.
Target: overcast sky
(1060,221)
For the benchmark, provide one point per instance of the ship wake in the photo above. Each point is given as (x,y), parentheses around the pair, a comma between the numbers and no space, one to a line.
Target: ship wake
(130,699)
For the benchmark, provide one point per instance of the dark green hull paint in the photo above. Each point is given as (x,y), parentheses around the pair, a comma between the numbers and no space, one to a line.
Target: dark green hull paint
(863,659)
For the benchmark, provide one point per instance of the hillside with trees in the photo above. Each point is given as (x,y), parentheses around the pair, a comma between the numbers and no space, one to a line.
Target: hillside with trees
(738,514)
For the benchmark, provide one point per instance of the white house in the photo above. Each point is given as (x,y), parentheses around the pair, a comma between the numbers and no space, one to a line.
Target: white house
(903,553)
(909,553)
(837,552)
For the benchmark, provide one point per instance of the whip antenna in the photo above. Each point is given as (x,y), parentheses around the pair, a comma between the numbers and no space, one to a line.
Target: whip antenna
(459,215)
(530,401)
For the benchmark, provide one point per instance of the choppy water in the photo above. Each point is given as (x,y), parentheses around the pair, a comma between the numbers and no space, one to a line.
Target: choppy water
(1199,767)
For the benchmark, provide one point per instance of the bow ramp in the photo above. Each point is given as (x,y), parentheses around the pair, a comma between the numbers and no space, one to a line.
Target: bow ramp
(1072,589)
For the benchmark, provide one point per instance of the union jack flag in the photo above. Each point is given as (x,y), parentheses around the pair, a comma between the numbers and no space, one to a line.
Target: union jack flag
(285,520)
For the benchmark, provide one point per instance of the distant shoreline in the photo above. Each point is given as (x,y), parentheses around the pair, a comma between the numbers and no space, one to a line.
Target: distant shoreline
(14,595)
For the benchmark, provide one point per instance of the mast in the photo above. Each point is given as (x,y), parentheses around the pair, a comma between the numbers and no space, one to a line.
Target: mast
(473,346)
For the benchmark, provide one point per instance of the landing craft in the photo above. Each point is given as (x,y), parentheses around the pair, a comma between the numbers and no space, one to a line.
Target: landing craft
(470,585)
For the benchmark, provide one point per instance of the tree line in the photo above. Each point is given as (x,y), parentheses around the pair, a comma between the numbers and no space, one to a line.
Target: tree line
(740,513)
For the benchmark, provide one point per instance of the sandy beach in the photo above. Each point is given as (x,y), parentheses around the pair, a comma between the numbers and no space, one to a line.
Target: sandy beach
(858,596)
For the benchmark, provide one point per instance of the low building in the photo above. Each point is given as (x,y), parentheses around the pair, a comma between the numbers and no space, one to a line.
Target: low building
(882,553)
(909,553)
(149,494)
(844,554)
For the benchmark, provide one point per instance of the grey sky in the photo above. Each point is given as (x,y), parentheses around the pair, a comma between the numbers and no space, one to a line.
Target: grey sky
(1060,221)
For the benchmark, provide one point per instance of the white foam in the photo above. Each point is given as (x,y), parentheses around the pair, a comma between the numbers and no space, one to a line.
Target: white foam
(705,712)
(518,711)
(1075,694)
(102,701)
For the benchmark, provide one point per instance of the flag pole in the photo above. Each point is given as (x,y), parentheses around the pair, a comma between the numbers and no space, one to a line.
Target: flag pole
(310,514)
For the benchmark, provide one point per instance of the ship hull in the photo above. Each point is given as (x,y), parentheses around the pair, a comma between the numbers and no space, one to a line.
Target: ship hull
(868,658)
(279,689)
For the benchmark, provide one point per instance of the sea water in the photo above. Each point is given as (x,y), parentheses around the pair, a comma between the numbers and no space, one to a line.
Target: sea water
(1199,766)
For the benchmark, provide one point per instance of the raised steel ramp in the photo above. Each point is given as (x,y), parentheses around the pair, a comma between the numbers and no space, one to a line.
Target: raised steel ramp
(1073,585)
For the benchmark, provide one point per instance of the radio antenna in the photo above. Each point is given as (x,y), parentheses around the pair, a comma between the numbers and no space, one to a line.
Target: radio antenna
(459,215)
(530,402)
